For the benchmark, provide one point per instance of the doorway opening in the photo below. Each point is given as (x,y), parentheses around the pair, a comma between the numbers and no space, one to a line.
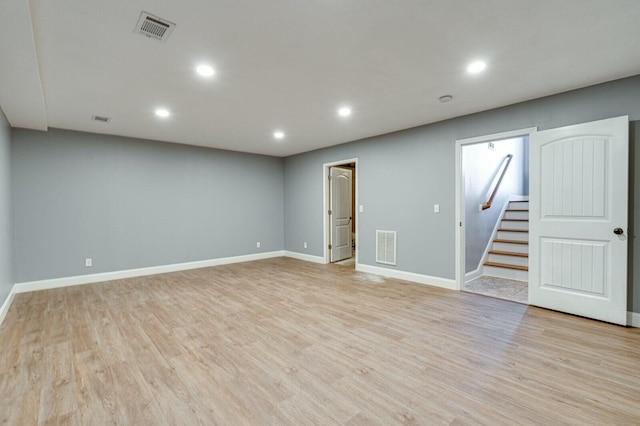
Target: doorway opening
(579,212)
(493,210)
(341,223)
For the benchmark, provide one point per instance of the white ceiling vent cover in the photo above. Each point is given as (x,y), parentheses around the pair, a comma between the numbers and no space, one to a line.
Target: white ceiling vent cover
(386,247)
(100,118)
(154,27)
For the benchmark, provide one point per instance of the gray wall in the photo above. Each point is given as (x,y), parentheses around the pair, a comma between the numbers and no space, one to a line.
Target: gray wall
(480,165)
(401,175)
(399,180)
(129,203)
(6,221)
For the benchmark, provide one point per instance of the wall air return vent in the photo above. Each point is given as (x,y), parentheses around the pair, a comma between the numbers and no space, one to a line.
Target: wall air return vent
(154,27)
(386,247)
(100,119)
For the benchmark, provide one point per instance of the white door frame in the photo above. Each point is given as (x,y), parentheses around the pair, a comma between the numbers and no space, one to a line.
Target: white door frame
(460,219)
(325,206)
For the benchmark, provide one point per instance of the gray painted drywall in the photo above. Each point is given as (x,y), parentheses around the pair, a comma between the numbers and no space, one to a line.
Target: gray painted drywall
(401,175)
(480,166)
(129,203)
(399,179)
(6,211)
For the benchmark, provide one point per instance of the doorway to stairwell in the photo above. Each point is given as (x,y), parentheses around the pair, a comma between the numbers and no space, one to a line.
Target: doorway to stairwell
(579,217)
(494,188)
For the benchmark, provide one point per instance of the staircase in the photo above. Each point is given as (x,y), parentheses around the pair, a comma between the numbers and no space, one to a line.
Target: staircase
(509,254)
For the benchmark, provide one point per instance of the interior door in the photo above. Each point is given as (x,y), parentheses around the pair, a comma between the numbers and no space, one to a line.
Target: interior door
(340,217)
(578,219)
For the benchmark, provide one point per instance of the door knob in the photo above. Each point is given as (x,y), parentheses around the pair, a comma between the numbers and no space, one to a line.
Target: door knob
(618,231)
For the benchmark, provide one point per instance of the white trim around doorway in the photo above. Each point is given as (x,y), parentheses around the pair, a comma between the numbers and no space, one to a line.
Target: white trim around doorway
(460,219)
(325,205)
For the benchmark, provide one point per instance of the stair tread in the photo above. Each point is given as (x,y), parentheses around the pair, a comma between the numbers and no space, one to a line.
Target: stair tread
(514,220)
(516,210)
(513,230)
(520,201)
(508,253)
(506,265)
(501,240)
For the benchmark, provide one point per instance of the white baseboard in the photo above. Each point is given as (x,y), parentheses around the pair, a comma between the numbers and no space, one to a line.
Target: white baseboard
(633,318)
(7,304)
(130,273)
(305,257)
(470,276)
(408,276)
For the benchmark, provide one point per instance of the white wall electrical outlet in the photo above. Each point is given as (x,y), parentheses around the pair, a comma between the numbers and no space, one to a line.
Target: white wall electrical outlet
(88,262)
(305,244)
(436,208)
(361,208)
(258,244)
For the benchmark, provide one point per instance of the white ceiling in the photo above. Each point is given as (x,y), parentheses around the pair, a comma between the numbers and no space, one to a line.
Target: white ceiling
(289,64)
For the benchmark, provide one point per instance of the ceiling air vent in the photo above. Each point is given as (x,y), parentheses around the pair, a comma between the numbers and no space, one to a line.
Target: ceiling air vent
(100,119)
(154,27)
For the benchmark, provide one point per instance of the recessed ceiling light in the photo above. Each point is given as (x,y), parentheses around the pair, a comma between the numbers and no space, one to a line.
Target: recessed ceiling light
(278,134)
(205,70)
(344,111)
(476,67)
(445,98)
(161,112)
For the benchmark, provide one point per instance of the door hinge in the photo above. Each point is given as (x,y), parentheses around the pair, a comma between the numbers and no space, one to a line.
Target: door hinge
(460,224)
(329,177)
(330,246)
(329,212)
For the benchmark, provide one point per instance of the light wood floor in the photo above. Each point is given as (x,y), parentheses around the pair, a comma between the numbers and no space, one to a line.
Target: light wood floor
(282,341)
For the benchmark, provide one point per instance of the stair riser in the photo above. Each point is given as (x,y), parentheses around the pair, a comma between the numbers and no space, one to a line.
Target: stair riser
(518,236)
(511,274)
(517,215)
(514,248)
(508,224)
(519,206)
(509,260)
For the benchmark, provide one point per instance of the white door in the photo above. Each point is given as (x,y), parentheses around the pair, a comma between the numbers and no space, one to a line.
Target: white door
(578,219)
(340,213)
